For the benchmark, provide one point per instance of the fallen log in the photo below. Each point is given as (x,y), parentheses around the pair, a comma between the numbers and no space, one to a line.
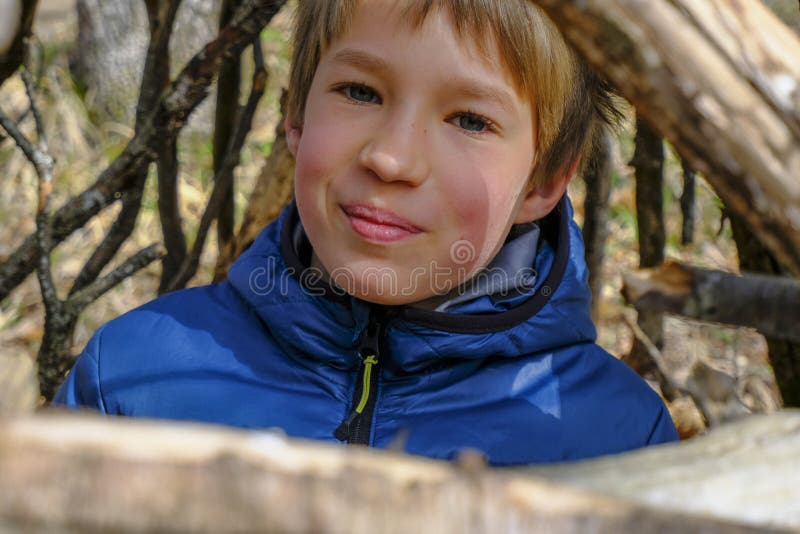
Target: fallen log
(770,304)
(87,474)
(745,471)
(721,80)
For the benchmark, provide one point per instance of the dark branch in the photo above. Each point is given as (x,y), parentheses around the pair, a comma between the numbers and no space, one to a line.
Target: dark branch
(228,90)
(224,177)
(687,204)
(10,62)
(169,213)
(80,299)
(155,78)
(182,97)
(120,230)
(770,304)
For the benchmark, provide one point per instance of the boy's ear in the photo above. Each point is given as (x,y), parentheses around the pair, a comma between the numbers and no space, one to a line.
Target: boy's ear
(540,200)
(293,134)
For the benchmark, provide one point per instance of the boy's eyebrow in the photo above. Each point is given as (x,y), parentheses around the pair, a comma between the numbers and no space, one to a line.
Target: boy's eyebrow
(467,87)
(480,91)
(361,60)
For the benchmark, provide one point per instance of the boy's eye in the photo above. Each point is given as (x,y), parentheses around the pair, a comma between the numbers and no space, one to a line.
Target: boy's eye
(472,122)
(360,93)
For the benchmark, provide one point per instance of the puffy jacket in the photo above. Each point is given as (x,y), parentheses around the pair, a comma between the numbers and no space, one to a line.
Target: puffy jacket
(519,379)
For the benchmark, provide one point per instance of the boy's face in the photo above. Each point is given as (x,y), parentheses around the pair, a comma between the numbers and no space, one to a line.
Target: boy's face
(413,158)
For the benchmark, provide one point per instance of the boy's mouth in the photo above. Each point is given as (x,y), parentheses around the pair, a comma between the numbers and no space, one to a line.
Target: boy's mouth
(377,224)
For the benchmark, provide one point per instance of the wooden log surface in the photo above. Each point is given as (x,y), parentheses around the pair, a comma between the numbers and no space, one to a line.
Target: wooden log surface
(68,473)
(721,80)
(747,471)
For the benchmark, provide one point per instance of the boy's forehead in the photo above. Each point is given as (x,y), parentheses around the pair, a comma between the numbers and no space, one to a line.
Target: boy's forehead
(479,41)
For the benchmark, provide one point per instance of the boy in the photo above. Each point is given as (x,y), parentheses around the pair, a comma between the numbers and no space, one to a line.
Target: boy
(427,286)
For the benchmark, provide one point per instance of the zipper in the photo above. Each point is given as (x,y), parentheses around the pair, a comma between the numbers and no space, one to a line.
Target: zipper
(357,427)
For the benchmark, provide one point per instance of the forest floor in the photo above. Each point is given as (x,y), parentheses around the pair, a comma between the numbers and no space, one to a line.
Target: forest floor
(84,145)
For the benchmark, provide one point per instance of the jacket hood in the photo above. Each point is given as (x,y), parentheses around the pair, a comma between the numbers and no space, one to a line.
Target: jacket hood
(320,325)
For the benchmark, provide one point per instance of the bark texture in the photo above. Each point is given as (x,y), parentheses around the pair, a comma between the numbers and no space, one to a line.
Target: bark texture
(595,209)
(648,164)
(745,471)
(784,354)
(721,80)
(768,303)
(92,474)
(172,109)
(112,45)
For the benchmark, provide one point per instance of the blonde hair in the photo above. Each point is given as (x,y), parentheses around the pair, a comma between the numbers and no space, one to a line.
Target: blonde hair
(569,100)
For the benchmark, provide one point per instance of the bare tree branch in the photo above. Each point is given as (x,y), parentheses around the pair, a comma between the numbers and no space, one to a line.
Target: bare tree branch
(169,213)
(228,89)
(120,230)
(687,204)
(80,299)
(597,178)
(55,357)
(224,177)
(771,304)
(155,78)
(718,79)
(164,123)
(12,58)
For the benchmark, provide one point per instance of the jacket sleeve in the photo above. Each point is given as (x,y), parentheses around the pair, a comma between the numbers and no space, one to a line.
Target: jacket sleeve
(82,386)
(664,429)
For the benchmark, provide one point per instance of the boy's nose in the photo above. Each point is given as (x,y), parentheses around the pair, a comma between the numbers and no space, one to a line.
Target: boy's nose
(396,153)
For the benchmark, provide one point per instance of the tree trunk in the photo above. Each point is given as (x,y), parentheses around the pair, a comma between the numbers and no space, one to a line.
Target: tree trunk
(102,474)
(648,163)
(784,354)
(687,204)
(224,124)
(112,44)
(719,79)
(595,214)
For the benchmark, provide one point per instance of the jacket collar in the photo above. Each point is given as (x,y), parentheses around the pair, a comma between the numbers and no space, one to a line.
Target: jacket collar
(308,316)
(554,228)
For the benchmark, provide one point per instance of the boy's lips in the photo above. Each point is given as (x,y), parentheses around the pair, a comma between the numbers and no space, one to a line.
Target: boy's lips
(378,224)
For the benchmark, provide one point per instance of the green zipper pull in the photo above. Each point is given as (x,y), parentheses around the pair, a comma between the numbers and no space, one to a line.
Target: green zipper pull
(365,383)
(353,429)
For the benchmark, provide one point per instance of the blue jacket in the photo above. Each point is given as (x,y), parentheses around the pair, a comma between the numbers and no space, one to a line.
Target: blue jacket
(519,379)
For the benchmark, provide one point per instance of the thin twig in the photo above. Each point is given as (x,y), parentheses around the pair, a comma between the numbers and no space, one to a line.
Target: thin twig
(165,122)
(43,165)
(120,230)
(80,299)
(668,387)
(22,142)
(31,90)
(224,177)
